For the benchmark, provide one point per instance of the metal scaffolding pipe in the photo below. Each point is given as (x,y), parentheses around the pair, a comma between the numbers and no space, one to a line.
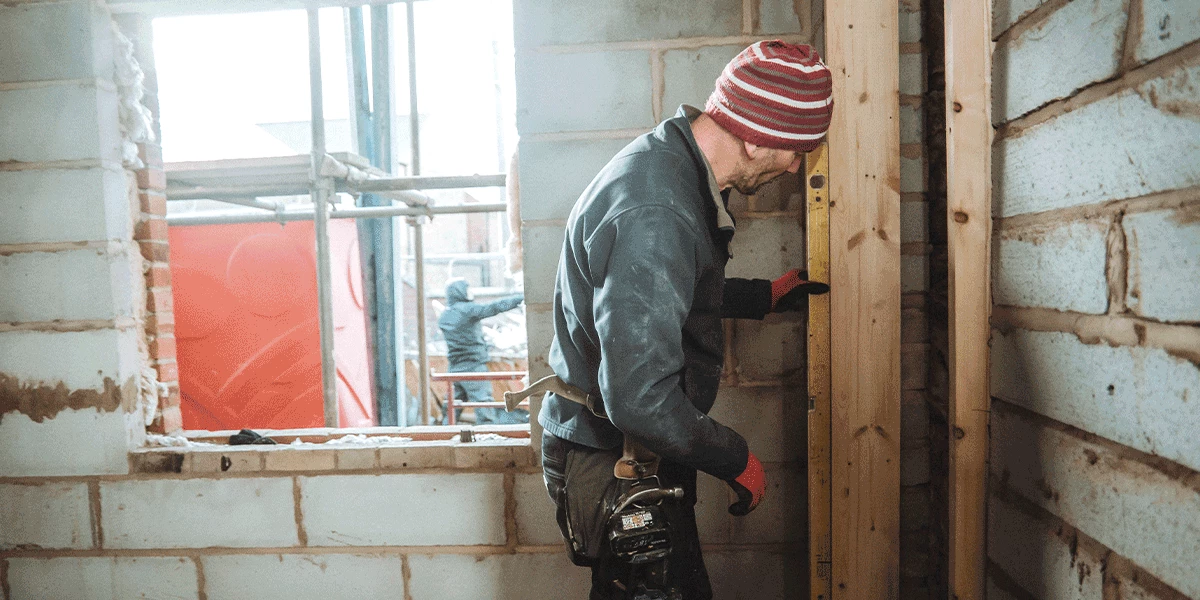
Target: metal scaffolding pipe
(322,190)
(228,193)
(414,122)
(422,342)
(364,212)
(396,184)
(254,203)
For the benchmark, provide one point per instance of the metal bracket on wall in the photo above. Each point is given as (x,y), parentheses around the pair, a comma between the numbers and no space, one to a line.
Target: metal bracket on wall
(820,546)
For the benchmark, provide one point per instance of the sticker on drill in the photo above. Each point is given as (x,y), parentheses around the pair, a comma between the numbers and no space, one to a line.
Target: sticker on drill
(637,520)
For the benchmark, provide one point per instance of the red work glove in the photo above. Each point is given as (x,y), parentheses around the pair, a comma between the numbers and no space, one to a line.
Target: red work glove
(749,486)
(790,292)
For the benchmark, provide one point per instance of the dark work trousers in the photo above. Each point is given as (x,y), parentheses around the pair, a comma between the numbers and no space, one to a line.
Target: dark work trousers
(685,566)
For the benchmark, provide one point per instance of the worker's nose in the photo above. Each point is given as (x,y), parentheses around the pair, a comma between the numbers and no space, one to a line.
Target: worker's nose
(795,166)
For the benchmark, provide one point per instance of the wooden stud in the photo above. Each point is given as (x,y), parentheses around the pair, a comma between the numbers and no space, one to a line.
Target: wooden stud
(864,246)
(816,171)
(969,224)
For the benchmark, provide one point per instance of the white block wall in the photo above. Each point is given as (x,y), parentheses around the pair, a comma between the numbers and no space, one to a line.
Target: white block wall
(403,510)
(1072,258)
(1093,448)
(1077,45)
(71,272)
(1119,147)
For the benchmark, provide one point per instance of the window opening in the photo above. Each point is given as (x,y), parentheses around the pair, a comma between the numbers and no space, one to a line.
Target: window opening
(246,240)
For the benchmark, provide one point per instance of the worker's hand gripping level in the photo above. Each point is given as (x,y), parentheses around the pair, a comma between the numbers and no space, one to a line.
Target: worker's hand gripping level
(790,292)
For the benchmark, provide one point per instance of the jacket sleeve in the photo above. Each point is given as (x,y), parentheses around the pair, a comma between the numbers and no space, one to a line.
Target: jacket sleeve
(746,299)
(493,308)
(644,282)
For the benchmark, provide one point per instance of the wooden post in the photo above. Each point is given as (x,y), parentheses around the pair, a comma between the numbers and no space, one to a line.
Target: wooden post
(864,246)
(816,171)
(969,223)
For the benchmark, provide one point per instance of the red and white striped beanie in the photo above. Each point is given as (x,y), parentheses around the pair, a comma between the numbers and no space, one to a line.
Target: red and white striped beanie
(776,95)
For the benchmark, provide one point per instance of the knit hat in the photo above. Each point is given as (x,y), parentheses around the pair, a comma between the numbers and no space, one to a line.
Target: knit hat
(775,95)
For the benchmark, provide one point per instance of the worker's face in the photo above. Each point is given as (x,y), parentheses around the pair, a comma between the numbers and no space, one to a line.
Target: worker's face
(763,165)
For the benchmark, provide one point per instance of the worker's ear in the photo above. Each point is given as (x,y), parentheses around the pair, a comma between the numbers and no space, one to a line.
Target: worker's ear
(753,150)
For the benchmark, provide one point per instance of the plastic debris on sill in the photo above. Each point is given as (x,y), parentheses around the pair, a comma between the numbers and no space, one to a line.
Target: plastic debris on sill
(482,437)
(356,439)
(172,441)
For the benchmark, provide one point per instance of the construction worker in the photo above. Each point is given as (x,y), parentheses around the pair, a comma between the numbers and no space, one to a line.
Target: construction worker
(467,351)
(641,291)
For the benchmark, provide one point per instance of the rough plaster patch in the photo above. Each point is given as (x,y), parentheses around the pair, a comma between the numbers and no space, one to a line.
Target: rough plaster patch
(41,402)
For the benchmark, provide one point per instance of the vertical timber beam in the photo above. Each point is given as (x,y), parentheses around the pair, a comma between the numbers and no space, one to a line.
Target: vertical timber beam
(862,44)
(969,224)
(816,172)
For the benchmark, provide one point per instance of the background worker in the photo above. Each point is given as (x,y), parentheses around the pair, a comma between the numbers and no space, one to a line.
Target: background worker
(641,291)
(467,350)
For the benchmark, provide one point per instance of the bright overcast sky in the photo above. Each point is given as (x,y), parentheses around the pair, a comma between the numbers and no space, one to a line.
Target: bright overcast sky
(219,76)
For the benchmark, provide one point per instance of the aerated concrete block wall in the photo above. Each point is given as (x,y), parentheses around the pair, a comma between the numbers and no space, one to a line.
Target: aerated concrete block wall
(591,77)
(1095,374)
(85,331)
(70,301)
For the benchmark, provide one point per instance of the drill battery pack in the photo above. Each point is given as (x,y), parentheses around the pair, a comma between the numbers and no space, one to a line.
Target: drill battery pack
(639,535)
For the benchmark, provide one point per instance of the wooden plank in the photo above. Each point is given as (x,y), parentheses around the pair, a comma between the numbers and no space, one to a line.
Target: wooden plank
(864,244)
(969,224)
(816,171)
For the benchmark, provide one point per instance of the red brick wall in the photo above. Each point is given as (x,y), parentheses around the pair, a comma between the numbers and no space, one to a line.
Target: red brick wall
(150,233)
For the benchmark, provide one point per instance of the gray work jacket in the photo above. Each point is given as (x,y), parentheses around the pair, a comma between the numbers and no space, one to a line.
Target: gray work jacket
(638,305)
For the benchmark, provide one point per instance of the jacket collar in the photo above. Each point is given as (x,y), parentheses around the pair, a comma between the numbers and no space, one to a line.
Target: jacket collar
(683,120)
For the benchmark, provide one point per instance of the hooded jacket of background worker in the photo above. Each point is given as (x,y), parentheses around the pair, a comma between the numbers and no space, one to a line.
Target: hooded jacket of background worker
(467,350)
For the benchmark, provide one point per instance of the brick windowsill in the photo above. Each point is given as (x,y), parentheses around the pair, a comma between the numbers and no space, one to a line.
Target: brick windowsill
(501,447)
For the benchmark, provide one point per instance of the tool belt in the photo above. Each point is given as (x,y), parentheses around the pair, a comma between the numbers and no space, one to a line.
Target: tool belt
(625,515)
(636,461)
